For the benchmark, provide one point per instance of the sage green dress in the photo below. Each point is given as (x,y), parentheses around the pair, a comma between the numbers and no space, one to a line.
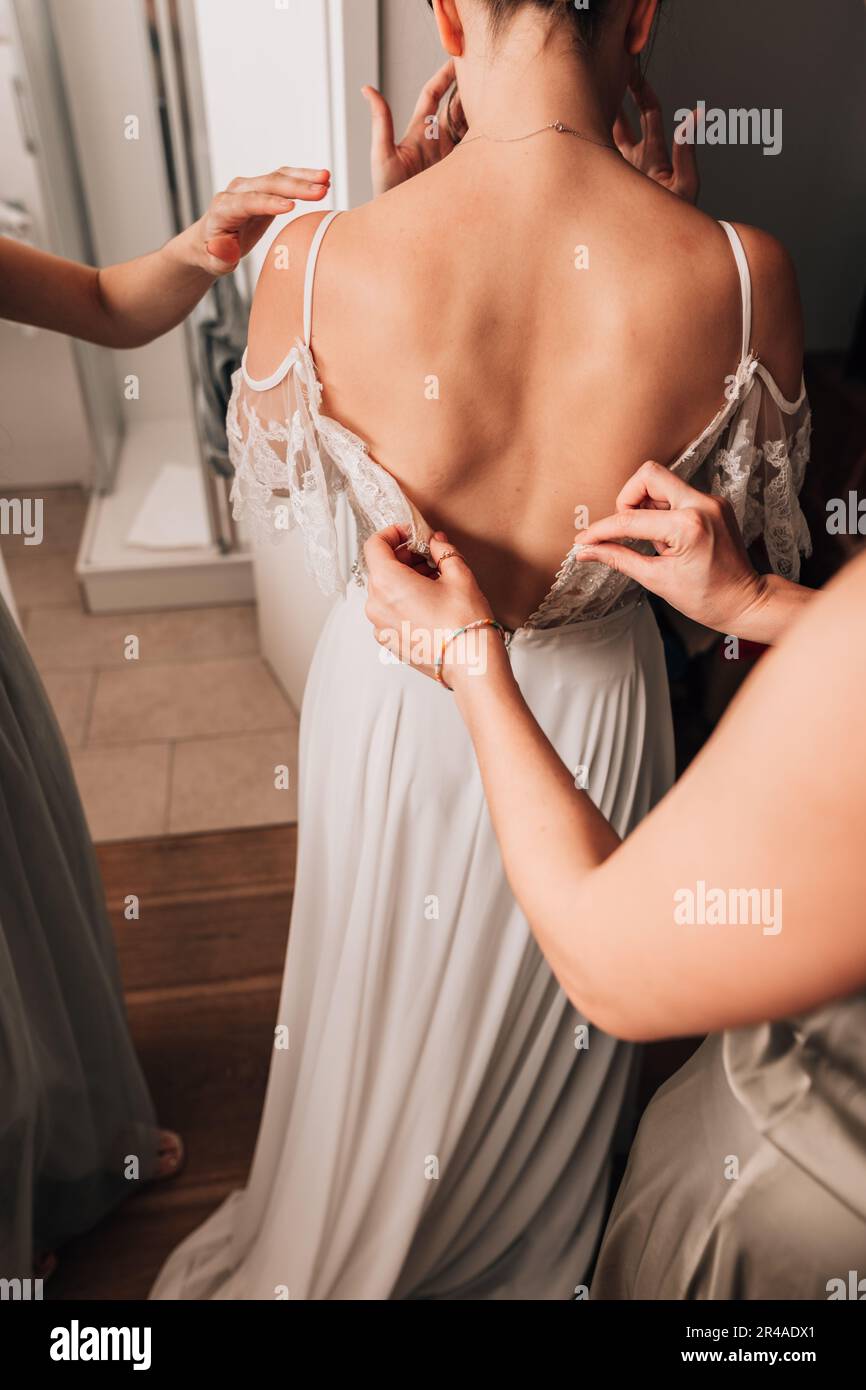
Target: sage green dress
(77,1128)
(747,1179)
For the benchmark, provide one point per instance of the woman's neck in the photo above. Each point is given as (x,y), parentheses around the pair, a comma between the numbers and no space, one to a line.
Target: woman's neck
(517,84)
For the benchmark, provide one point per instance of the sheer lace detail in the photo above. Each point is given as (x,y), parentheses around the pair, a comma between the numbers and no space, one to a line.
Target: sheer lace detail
(755,454)
(292,464)
(760,466)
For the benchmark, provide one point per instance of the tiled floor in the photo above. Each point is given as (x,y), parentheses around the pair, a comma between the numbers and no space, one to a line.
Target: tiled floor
(191,734)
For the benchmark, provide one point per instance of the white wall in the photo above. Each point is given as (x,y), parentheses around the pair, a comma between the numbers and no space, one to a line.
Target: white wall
(264,101)
(807,57)
(283,87)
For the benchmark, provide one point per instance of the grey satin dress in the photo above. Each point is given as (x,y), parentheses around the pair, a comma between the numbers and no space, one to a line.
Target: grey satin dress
(747,1179)
(76,1120)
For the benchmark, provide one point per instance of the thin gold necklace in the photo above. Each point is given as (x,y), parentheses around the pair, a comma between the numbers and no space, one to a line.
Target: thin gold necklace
(559,126)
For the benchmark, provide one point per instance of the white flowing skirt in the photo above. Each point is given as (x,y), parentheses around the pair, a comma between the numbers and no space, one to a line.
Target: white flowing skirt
(440,1124)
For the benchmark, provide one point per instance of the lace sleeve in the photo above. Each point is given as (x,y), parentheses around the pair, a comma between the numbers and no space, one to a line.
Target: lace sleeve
(283,478)
(293,463)
(759,465)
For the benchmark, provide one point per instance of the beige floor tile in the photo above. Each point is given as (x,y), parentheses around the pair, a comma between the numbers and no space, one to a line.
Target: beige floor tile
(227,783)
(192,699)
(70,694)
(63,513)
(63,639)
(43,581)
(124,790)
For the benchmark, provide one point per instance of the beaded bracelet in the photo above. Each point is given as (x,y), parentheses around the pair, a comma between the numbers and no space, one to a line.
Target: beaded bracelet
(461,631)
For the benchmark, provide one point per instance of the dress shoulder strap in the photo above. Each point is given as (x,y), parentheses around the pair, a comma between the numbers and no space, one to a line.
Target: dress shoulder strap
(745,285)
(312,256)
(310,278)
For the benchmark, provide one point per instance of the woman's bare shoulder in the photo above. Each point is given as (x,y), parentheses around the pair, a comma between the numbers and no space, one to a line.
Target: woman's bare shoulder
(778,332)
(277,316)
(690,268)
(358,245)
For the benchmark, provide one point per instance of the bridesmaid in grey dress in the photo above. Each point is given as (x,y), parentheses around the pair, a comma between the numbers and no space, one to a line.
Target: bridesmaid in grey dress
(747,1179)
(77,1128)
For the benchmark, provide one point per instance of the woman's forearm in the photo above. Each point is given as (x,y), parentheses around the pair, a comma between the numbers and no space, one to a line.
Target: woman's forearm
(634,931)
(123,306)
(551,834)
(145,298)
(128,305)
(705,917)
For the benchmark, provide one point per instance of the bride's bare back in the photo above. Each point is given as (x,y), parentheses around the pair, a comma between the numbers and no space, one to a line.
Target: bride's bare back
(516,330)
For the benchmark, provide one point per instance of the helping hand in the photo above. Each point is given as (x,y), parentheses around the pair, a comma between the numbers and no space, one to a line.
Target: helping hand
(239,217)
(650,154)
(427,139)
(700,567)
(413,607)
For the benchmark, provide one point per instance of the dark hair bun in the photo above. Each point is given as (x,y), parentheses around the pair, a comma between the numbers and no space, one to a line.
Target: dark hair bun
(586,22)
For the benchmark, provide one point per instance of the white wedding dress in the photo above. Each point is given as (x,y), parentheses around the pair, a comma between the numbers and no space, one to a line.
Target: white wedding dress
(440,1125)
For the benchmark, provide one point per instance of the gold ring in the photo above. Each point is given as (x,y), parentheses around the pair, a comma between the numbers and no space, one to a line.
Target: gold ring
(449,555)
